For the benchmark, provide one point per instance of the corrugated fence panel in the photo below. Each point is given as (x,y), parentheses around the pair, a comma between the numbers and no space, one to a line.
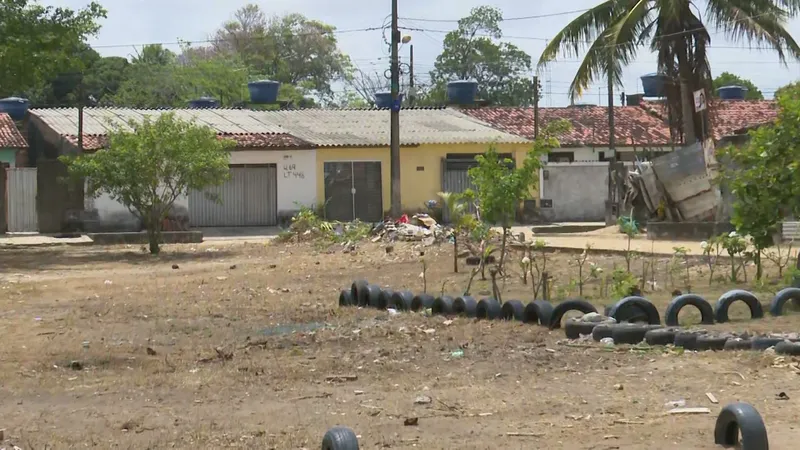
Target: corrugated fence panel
(456,181)
(22,214)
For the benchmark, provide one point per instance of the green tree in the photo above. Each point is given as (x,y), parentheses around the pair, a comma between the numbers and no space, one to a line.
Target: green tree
(501,185)
(612,32)
(38,42)
(762,174)
(291,49)
(158,78)
(473,51)
(729,79)
(784,89)
(149,165)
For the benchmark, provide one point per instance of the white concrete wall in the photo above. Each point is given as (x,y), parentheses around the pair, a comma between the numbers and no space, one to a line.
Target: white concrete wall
(590,154)
(114,216)
(297,175)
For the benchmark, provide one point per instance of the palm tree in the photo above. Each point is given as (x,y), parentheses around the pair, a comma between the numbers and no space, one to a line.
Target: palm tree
(612,32)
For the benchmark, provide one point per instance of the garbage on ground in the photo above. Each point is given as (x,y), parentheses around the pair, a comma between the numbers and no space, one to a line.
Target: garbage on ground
(420,227)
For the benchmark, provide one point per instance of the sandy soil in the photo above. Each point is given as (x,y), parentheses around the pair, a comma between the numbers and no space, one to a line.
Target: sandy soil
(239,345)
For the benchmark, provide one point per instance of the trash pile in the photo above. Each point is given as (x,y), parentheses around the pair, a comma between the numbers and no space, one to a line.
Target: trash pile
(420,227)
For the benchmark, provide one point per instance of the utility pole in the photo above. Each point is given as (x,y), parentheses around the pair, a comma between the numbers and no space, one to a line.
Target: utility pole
(395,118)
(612,147)
(411,92)
(535,107)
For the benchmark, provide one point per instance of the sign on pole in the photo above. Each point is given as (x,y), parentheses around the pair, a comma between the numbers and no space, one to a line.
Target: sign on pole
(699,100)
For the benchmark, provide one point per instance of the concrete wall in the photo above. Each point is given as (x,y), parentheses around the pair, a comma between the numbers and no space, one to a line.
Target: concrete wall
(8,156)
(592,154)
(104,214)
(578,191)
(297,175)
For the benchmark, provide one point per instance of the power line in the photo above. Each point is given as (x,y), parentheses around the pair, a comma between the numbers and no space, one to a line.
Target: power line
(510,19)
(211,41)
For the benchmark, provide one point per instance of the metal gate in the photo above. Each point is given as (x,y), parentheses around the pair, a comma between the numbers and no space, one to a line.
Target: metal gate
(353,190)
(248,199)
(21,197)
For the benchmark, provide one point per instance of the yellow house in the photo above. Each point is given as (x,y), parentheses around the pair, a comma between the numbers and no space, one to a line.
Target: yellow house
(438,145)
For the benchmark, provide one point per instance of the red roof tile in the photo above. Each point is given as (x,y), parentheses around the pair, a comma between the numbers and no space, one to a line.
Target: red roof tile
(10,137)
(731,116)
(633,124)
(270,141)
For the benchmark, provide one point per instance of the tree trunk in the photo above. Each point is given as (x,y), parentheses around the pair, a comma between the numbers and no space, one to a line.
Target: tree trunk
(503,249)
(455,252)
(154,235)
(687,100)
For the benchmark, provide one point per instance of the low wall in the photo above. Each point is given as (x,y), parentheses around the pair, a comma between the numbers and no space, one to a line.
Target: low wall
(687,231)
(134,238)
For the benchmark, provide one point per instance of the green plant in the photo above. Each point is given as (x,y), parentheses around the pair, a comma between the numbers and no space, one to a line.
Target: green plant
(780,258)
(461,221)
(149,164)
(680,257)
(501,185)
(623,283)
(537,253)
(630,228)
(735,245)
(712,250)
(580,261)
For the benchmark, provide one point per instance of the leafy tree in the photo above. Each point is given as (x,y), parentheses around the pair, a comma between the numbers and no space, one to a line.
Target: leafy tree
(501,186)
(158,78)
(762,174)
(148,165)
(37,42)
(784,89)
(729,79)
(612,32)
(473,51)
(291,49)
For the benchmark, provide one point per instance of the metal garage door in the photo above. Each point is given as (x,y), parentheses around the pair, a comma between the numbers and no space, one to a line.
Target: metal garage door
(353,190)
(248,199)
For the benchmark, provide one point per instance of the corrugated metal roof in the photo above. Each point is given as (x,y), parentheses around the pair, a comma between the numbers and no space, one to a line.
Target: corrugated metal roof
(370,127)
(321,127)
(97,121)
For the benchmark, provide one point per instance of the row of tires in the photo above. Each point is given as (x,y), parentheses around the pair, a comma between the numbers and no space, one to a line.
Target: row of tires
(629,309)
(733,420)
(634,333)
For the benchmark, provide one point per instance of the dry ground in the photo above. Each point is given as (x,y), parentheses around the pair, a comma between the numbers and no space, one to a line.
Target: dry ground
(234,347)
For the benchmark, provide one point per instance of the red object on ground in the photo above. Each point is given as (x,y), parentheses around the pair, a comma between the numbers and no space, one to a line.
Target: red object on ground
(403,219)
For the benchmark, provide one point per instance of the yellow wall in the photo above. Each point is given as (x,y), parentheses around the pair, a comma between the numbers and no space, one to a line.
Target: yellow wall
(416,187)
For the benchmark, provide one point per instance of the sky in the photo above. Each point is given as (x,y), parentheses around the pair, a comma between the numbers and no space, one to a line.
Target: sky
(131,23)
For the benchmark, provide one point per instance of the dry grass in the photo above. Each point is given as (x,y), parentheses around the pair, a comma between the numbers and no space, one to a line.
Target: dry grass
(242,338)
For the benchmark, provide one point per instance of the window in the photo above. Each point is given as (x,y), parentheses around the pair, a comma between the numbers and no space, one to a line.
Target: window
(561,157)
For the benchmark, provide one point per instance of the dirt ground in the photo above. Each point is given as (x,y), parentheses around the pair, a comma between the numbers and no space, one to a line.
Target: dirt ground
(243,345)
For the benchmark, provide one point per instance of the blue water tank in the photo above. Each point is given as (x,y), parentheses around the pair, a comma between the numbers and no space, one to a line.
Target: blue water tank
(654,85)
(263,91)
(732,92)
(15,107)
(204,102)
(462,92)
(383,100)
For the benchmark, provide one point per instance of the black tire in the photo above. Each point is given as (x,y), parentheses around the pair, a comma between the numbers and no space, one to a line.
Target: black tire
(401,301)
(675,306)
(442,306)
(489,309)
(569,305)
(777,303)
(359,292)
(686,339)
(661,336)
(473,260)
(724,303)
(422,301)
(340,438)
(787,348)
(374,296)
(385,298)
(513,310)
(538,311)
(741,418)
(628,333)
(345,298)
(574,328)
(629,313)
(602,330)
(711,342)
(734,344)
(465,305)
(764,342)
(628,303)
